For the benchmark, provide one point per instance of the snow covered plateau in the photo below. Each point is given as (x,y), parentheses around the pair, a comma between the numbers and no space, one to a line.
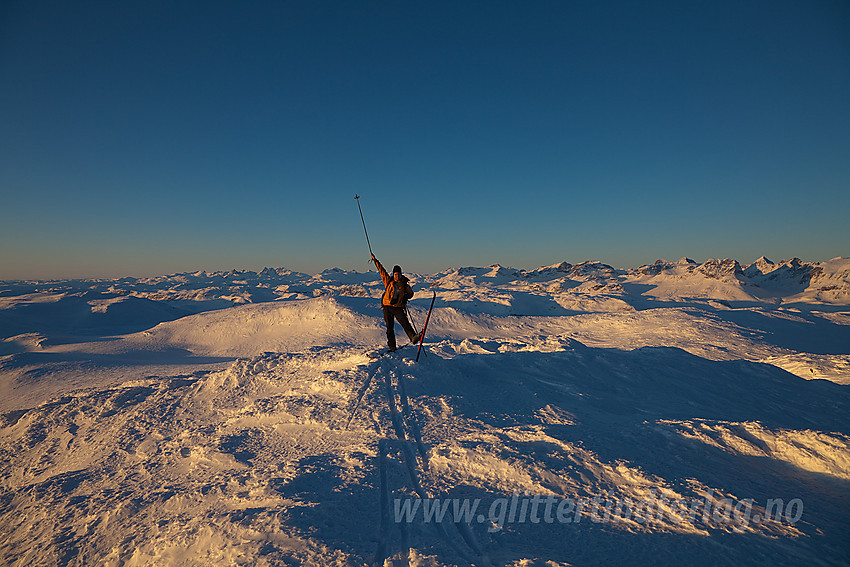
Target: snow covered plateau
(673,414)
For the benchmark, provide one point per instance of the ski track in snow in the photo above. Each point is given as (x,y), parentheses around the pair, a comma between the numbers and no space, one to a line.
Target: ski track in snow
(236,418)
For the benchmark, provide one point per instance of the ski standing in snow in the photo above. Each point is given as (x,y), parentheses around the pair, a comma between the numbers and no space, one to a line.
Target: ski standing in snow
(425,327)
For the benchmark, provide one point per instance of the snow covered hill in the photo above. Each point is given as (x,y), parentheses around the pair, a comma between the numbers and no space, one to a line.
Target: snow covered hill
(575,414)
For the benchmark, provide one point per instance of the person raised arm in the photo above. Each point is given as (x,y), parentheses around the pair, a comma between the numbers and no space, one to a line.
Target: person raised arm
(384,275)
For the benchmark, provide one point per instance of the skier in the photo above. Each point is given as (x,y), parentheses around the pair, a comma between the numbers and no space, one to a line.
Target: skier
(394,299)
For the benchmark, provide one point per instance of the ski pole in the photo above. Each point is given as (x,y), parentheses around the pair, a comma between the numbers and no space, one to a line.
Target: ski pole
(409,317)
(412,324)
(357,198)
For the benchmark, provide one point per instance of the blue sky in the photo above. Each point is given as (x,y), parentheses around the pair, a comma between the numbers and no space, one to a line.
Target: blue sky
(149,137)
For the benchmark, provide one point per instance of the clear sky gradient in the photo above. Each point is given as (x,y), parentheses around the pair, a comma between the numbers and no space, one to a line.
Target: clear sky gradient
(150,137)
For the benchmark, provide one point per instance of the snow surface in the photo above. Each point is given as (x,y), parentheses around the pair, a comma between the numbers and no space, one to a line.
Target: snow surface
(234,418)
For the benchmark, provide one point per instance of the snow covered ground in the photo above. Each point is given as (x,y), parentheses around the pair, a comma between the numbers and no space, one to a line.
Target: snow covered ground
(676,413)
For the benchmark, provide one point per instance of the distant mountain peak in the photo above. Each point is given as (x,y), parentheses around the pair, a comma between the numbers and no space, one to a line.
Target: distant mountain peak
(721,269)
(759,267)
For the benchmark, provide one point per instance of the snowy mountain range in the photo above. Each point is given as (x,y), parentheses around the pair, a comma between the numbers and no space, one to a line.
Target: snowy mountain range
(675,413)
(787,282)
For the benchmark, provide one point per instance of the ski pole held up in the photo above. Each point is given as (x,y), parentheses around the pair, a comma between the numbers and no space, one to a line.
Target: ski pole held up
(357,198)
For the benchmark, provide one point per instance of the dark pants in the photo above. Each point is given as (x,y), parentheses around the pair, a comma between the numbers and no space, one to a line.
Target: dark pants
(390,315)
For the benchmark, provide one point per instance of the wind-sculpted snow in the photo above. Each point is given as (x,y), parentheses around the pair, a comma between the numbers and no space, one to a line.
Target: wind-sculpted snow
(275,459)
(677,413)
